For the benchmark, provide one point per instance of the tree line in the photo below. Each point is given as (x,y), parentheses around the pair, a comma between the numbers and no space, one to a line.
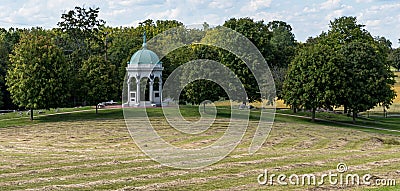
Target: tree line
(82,62)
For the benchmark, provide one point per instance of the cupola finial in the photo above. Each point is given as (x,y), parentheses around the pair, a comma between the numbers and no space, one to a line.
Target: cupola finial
(144,40)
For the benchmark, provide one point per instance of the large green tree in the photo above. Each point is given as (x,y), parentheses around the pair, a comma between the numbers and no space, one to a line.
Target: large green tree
(345,32)
(81,35)
(362,78)
(83,30)
(37,76)
(283,45)
(122,44)
(309,81)
(200,91)
(257,32)
(99,80)
(369,79)
(274,40)
(282,42)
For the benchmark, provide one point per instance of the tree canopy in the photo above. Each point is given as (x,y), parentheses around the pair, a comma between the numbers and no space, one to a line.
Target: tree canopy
(83,61)
(8,38)
(354,72)
(37,76)
(395,58)
(309,81)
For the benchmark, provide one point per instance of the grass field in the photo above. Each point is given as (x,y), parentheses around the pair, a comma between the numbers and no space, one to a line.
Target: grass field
(84,151)
(397,87)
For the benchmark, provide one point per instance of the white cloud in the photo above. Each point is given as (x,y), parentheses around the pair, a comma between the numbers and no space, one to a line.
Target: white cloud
(307,18)
(168,14)
(330,4)
(373,23)
(363,1)
(343,10)
(255,5)
(385,7)
(310,10)
(225,4)
(126,3)
(383,19)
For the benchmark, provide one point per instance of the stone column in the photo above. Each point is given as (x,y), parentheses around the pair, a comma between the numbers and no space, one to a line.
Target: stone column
(151,90)
(129,90)
(138,90)
(160,89)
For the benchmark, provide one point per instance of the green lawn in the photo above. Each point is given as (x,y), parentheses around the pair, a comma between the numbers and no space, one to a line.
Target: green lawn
(85,151)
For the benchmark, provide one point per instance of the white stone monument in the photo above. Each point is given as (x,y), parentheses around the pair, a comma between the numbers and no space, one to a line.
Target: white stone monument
(144,64)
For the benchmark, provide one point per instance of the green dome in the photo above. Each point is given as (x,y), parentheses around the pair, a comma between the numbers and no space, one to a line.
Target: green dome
(144,56)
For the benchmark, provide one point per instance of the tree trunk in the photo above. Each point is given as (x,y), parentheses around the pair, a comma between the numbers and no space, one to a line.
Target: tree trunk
(294,109)
(313,115)
(354,116)
(31,114)
(97,108)
(384,112)
(345,109)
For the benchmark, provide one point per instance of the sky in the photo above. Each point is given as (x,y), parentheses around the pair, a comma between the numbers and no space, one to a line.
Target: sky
(307,17)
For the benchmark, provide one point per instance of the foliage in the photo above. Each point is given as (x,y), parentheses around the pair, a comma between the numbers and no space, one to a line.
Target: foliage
(80,36)
(361,77)
(368,60)
(309,81)
(122,44)
(257,32)
(395,58)
(37,76)
(369,79)
(202,90)
(7,41)
(283,43)
(99,77)
(283,46)
(95,59)
(82,26)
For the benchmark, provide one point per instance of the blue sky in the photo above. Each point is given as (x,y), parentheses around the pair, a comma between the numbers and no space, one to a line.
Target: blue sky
(307,17)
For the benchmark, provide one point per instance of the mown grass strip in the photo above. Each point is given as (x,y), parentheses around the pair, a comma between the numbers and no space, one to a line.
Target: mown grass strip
(219,171)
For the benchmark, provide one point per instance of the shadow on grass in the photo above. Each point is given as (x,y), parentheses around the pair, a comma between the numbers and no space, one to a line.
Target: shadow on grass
(222,112)
(83,116)
(116,114)
(391,124)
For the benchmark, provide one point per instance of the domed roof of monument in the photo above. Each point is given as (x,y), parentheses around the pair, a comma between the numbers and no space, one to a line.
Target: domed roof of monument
(144,55)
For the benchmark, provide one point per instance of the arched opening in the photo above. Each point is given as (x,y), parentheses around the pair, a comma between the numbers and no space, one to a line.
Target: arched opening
(144,89)
(156,90)
(156,84)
